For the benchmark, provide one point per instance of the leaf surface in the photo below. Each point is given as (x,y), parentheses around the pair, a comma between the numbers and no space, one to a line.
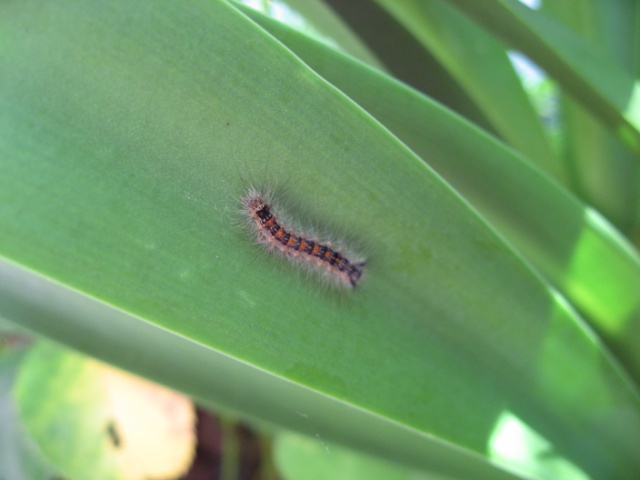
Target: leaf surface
(130,130)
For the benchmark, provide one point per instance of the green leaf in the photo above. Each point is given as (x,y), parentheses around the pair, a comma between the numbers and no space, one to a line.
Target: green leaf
(306,458)
(93,421)
(62,407)
(603,171)
(128,132)
(481,65)
(406,59)
(20,456)
(572,245)
(583,71)
(325,20)
(221,380)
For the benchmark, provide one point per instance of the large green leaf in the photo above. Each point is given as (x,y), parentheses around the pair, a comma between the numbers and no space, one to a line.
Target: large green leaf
(571,244)
(127,133)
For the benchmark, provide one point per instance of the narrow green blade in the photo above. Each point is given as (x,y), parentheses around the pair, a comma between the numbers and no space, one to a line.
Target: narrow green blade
(584,72)
(603,172)
(480,64)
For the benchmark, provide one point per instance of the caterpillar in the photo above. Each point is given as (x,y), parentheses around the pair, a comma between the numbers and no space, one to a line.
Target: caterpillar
(296,246)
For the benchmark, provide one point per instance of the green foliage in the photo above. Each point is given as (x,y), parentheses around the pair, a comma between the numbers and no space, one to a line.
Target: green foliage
(499,306)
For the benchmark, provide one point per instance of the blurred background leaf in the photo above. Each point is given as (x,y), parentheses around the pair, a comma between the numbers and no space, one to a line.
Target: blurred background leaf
(20,455)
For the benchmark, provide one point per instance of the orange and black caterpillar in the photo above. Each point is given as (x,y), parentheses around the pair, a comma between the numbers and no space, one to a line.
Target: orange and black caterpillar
(296,246)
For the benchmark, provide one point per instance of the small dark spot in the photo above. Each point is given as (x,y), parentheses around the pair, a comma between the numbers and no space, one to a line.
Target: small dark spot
(112,431)
(228,124)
